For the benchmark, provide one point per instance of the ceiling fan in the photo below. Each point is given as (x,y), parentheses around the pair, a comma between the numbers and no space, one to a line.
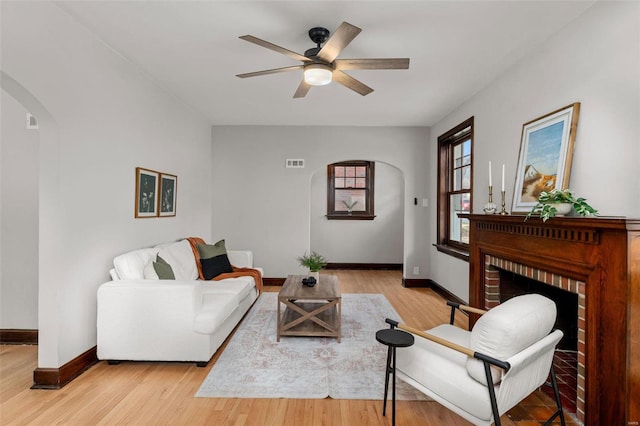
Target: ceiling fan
(319,64)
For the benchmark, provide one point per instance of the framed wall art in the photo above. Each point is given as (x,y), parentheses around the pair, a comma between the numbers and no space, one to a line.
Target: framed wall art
(546,151)
(146,204)
(168,192)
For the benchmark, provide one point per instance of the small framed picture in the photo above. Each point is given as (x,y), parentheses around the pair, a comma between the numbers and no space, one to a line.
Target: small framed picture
(546,151)
(168,192)
(146,193)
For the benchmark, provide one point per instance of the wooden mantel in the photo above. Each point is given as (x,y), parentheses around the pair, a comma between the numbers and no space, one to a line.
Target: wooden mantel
(604,253)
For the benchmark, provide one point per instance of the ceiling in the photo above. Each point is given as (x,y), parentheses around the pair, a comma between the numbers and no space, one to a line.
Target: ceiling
(192,49)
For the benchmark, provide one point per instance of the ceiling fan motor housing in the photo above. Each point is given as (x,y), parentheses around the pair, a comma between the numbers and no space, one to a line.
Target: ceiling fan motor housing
(318,35)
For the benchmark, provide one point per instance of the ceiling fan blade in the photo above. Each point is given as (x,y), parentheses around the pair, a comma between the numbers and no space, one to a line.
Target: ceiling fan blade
(271,71)
(338,41)
(302,90)
(351,83)
(275,48)
(372,64)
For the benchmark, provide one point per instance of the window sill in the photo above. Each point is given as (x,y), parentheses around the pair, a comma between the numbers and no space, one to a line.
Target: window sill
(453,251)
(352,217)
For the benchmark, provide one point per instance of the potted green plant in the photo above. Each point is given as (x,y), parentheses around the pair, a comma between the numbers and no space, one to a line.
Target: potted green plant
(314,262)
(559,202)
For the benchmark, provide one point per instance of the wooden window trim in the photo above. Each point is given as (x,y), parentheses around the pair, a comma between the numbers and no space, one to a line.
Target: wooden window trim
(444,245)
(368,213)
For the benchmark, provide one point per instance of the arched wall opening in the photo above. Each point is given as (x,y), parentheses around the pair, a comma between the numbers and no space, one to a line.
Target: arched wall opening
(380,241)
(18,223)
(49,210)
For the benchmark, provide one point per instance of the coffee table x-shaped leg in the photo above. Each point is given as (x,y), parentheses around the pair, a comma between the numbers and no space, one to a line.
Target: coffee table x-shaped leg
(311,315)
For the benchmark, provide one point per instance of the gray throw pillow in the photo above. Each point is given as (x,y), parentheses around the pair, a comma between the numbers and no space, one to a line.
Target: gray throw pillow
(163,269)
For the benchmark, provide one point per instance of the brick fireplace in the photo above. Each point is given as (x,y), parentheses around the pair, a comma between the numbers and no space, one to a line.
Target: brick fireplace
(599,260)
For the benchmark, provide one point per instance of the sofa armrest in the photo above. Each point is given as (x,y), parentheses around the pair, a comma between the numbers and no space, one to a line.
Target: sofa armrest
(138,312)
(149,295)
(241,258)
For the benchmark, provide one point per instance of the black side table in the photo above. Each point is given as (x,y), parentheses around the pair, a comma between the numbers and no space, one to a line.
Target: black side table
(393,338)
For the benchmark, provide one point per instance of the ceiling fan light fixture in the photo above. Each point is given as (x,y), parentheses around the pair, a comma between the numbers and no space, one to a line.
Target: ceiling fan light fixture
(317,74)
(319,62)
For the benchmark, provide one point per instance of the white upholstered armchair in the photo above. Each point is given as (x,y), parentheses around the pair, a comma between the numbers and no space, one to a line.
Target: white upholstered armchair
(511,347)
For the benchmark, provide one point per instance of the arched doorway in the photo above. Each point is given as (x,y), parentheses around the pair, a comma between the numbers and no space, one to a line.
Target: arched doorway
(380,241)
(49,211)
(19,224)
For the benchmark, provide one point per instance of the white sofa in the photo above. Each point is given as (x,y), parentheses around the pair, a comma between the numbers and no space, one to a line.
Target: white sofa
(185,319)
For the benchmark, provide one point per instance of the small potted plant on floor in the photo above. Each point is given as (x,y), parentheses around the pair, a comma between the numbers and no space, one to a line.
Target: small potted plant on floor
(559,202)
(314,262)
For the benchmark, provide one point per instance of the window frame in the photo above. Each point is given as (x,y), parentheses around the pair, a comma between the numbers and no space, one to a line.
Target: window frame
(368,213)
(446,142)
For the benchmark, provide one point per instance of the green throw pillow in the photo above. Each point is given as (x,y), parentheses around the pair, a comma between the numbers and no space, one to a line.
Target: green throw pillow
(207,251)
(163,269)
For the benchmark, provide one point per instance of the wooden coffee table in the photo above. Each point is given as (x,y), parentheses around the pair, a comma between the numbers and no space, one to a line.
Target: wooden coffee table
(310,311)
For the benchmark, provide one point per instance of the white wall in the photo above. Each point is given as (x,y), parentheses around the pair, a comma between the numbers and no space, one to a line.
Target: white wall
(361,241)
(108,119)
(19,218)
(261,205)
(595,61)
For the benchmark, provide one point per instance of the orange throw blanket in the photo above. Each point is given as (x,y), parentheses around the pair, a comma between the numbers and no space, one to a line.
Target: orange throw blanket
(237,272)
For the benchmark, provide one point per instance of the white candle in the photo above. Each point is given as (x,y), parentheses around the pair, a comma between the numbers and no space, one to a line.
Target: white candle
(490,184)
(503,177)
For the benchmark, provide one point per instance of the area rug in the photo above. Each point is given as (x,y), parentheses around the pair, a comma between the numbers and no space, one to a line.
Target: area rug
(254,365)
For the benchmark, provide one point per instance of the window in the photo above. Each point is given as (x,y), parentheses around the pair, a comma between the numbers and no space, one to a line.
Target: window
(350,190)
(455,183)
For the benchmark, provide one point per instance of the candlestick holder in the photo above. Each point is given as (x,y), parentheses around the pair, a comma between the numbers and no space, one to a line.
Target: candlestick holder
(490,208)
(503,211)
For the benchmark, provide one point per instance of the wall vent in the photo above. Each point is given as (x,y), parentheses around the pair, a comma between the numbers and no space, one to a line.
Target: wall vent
(32,123)
(295,163)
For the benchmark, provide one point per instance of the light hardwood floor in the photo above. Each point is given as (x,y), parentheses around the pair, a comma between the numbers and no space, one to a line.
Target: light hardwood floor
(163,393)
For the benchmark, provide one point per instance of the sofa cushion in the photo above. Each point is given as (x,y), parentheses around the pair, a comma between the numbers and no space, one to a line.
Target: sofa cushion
(509,328)
(240,287)
(150,272)
(216,307)
(130,265)
(163,269)
(214,266)
(179,255)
